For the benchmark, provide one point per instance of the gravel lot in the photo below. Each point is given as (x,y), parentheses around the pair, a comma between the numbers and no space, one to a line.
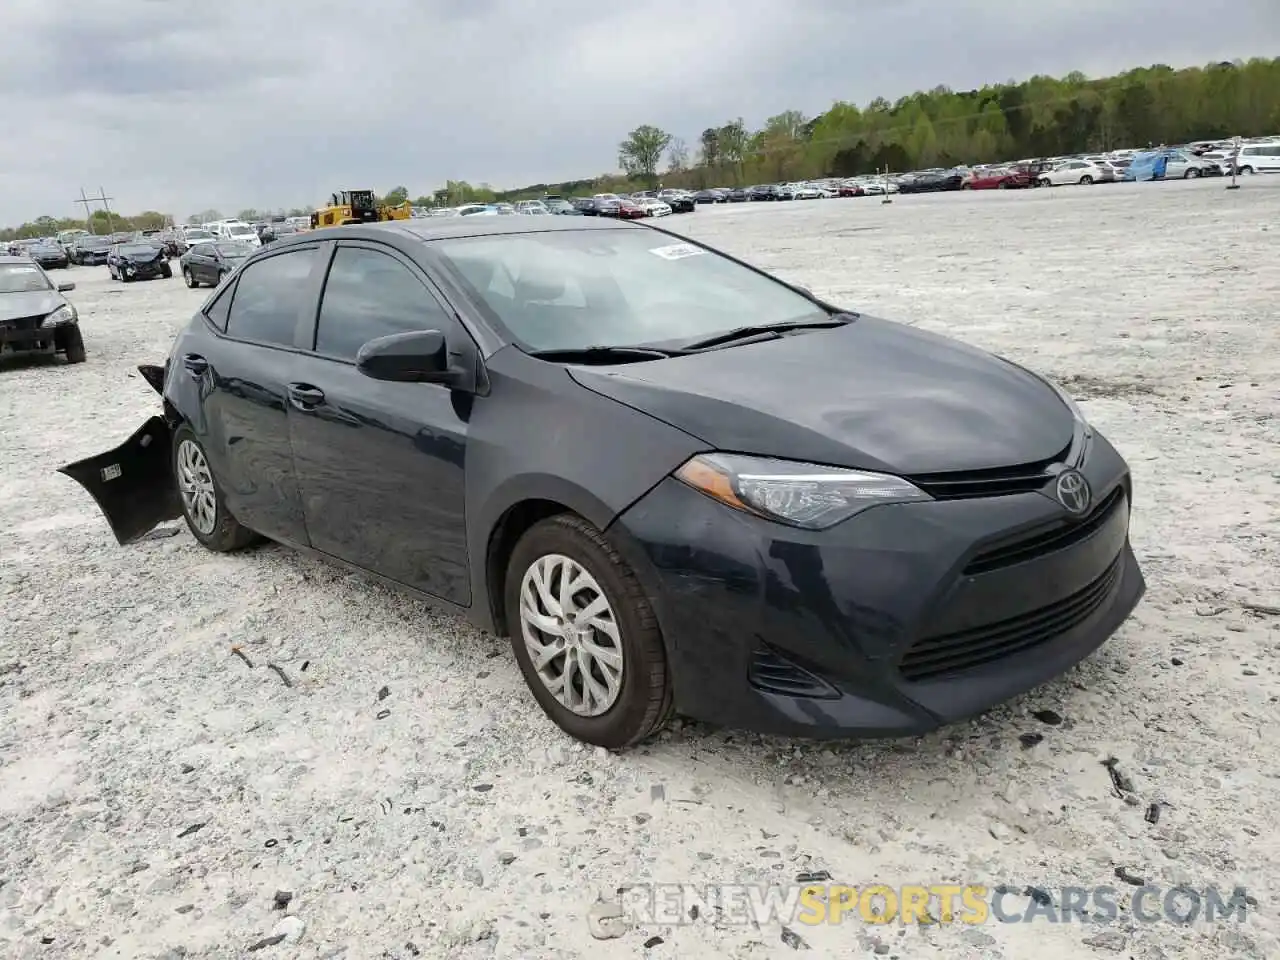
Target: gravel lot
(406,790)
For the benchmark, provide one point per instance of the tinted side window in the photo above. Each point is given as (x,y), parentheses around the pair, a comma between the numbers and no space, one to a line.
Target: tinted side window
(268,297)
(218,310)
(370,294)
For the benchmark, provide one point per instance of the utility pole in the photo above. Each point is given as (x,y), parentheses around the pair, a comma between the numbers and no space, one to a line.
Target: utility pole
(100,198)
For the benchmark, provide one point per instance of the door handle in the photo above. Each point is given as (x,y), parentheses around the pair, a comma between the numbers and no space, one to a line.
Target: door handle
(304,396)
(196,365)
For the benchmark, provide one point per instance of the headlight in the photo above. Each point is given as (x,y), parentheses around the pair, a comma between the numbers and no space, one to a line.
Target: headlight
(799,494)
(64,314)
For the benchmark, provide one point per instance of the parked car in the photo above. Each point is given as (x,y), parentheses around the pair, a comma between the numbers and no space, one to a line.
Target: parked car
(1258,158)
(585,206)
(932,181)
(138,260)
(1071,171)
(89,251)
(49,255)
(768,512)
(210,262)
(562,208)
(35,317)
(709,196)
(680,201)
(652,206)
(764,191)
(531,208)
(737,195)
(1184,165)
(1002,178)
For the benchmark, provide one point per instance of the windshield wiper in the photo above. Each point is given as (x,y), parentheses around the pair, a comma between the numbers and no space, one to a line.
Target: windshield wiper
(622,354)
(764,330)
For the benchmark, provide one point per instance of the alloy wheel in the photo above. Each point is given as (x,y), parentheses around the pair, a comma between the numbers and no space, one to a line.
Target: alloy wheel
(195,484)
(571,634)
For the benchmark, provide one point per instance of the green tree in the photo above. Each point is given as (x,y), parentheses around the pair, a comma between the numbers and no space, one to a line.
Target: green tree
(396,196)
(640,154)
(677,156)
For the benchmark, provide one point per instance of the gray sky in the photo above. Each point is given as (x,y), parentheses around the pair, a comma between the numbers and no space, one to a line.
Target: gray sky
(178,105)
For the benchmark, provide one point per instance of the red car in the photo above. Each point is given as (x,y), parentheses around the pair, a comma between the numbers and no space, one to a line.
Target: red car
(1010,178)
(627,210)
(850,190)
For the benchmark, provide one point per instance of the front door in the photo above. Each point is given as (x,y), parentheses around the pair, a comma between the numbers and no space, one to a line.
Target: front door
(381,465)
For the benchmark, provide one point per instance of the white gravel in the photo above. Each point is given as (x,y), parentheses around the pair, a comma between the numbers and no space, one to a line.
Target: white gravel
(462,824)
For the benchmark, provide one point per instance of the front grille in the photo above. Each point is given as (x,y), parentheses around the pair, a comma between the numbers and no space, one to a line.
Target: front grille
(1046,540)
(953,653)
(23,323)
(997,482)
(774,673)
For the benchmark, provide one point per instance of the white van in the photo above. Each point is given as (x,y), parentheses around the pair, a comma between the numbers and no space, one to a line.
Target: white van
(1259,158)
(236,230)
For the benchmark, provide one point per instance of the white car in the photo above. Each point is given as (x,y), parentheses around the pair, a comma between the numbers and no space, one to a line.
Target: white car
(241,233)
(1072,171)
(805,191)
(1259,158)
(652,206)
(532,208)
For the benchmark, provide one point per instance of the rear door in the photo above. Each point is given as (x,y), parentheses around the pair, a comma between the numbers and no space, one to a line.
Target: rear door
(238,365)
(381,465)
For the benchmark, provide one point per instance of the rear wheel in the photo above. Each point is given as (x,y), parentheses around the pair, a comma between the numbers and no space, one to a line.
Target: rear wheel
(203,506)
(1046,182)
(1246,169)
(1191,173)
(1086,180)
(585,635)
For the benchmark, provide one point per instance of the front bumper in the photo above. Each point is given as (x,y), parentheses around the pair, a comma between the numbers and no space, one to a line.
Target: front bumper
(27,337)
(150,270)
(896,622)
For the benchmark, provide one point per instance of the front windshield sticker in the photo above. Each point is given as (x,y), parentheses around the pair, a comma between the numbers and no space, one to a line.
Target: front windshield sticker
(677,251)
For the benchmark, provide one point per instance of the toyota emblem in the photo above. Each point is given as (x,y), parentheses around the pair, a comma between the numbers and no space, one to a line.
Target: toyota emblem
(1073,491)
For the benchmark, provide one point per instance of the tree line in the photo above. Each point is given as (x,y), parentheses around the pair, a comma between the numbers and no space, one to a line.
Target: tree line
(1040,117)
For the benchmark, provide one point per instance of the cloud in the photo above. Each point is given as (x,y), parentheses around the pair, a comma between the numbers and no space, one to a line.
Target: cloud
(180,105)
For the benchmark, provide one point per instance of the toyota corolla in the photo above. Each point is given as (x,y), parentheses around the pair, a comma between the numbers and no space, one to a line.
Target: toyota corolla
(676,482)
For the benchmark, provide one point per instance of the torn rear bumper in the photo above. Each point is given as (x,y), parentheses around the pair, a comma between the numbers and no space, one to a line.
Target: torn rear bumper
(133,484)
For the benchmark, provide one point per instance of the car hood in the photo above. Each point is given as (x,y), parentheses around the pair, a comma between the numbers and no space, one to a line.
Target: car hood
(36,303)
(873,394)
(141,256)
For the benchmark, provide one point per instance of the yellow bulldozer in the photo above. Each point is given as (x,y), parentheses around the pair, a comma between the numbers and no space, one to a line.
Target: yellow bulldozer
(357,206)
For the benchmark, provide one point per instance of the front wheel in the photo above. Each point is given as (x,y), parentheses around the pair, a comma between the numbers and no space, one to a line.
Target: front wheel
(585,635)
(203,506)
(1191,173)
(73,345)
(1046,182)
(1246,170)
(1086,180)
(189,278)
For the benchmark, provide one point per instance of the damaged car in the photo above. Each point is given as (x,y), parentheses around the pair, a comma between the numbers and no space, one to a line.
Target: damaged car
(35,317)
(138,260)
(676,482)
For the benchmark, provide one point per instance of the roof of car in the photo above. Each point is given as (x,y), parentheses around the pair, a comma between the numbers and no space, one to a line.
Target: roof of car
(441,228)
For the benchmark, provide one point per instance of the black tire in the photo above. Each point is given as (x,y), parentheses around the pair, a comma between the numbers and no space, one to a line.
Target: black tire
(1190,173)
(1046,182)
(1246,170)
(644,703)
(124,276)
(1086,180)
(190,278)
(226,534)
(166,272)
(73,345)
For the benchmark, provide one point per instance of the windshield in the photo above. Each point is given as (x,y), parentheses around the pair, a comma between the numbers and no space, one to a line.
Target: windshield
(240,231)
(22,278)
(566,290)
(233,251)
(95,243)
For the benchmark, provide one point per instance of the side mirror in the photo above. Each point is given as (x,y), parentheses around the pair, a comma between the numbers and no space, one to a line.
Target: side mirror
(420,356)
(66,287)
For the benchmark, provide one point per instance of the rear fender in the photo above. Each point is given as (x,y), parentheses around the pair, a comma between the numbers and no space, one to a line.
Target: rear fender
(133,484)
